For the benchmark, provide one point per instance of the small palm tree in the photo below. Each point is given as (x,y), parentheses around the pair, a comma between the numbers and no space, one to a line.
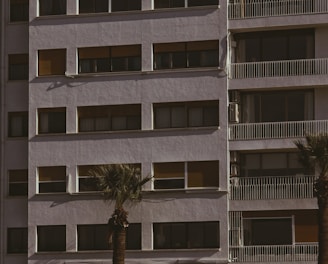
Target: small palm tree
(119,183)
(314,155)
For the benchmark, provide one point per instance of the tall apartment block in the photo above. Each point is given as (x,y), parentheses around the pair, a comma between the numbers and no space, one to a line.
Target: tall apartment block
(207,96)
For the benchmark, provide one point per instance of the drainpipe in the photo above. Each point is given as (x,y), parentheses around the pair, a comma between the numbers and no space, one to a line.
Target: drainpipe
(2,89)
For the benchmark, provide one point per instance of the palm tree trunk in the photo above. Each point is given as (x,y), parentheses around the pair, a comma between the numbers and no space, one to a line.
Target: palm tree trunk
(119,238)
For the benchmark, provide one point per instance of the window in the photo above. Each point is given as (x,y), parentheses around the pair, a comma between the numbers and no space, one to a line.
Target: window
(181,3)
(186,55)
(88,183)
(52,120)
(18,182)
(52,179)
(96,237)
(18,124)
(271,164)
(109,118)
(52,62)
(126,5)
(180,175)
(18,67)
(93,6)
(186,114)
(52,7)
(186,235)
(168,3)
(51,238)
(17,240)
(202,2)
(263,231)
(110,59)
(275,45)
(278,106)
(19,10)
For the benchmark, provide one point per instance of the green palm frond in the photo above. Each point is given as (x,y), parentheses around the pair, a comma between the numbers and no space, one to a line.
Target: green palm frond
(119,182)
(313,152)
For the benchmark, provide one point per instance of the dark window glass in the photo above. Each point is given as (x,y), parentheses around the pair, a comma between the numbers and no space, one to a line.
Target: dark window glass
(52,120)
(202,2)
(186,235)
(264,231)
(52,7)
(186,55)
(17,240)
(188,114)
(275,45)
(109,118)
(126,5)
(18,182)
(168,3)
(52,179)
(18,124)
(19,10)
(93,6)
(51,238)
(96,237)
(52,62)
(18,67)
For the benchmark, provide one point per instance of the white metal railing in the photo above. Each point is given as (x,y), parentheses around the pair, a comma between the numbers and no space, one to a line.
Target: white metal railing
(279,253)
(291,129)
(250,9)
(272,187)
(279,68)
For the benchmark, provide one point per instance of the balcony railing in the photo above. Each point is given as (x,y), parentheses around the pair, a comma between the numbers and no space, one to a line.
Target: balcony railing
(248,9)
(283,253)
(279,68)
(273,187)
(250,131)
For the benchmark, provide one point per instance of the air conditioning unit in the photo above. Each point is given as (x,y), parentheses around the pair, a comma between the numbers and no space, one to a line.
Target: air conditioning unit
(234,113)
(234,96)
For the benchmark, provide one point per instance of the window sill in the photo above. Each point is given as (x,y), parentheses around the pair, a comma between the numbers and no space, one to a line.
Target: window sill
(189,190)
(124,73)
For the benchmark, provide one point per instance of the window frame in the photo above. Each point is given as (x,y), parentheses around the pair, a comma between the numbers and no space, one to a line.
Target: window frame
(186,107)
(46,119)
(23,240)
(54,233)
(52,183)
(23,123)
(18,174)
(93,230)
(190,179)
(177,55)
(18,63)
(52,62)
(124,58)
(54,10)
(110,118)
(21,7)
(250,219)
(184,243)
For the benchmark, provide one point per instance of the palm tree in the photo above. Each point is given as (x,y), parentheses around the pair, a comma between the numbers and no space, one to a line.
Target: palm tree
(313,154)
(119,183)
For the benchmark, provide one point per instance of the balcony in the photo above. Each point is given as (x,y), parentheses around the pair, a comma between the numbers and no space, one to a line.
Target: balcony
(279,68)
(247,9)
(276,130)
(277,187)
(272,253)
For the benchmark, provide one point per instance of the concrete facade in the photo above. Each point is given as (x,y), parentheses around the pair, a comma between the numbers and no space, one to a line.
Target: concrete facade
(146,146)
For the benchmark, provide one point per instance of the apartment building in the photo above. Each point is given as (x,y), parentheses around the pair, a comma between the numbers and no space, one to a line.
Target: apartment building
(205,95)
